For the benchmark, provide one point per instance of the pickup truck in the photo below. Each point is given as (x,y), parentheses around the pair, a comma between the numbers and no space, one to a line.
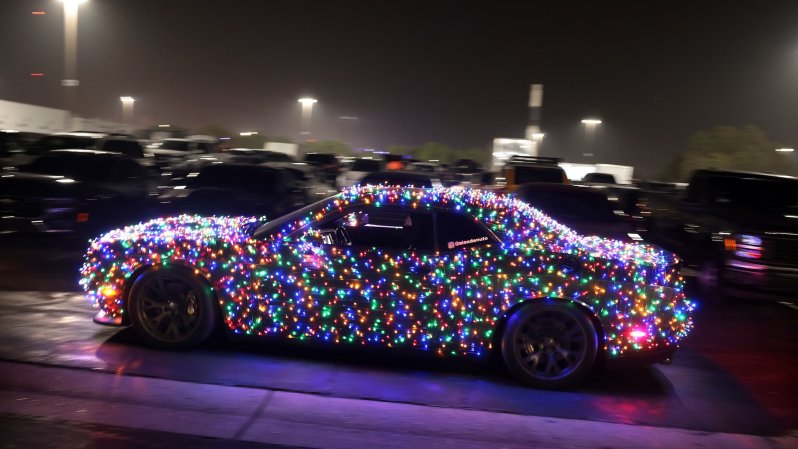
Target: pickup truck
(740,229)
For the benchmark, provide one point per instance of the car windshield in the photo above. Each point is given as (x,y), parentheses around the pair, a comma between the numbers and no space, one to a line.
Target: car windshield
(177,145)
(249,179)
(756,193)
(524,174)
(270,226)
(368,165)
(82,167)
(65,142)
(604,178)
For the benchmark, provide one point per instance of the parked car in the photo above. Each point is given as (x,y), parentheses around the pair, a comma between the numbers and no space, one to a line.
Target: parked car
(584,209)
(741,230)
(85,140)
(255,156)
(234,189)
(181,156)
(600,178)
(400,178)
(326,163)
(307,187)
(454,272)
(426,167)
(79,140)
(359,169)
(519,170)
(75,190)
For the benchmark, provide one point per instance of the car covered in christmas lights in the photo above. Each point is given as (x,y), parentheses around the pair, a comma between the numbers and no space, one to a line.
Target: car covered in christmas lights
(452,271)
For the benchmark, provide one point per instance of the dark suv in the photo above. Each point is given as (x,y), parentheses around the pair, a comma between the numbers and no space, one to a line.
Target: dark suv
(523,169)
(741,229)
(327,164)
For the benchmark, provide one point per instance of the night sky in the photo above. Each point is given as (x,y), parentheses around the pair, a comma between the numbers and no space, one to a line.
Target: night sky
(448,71)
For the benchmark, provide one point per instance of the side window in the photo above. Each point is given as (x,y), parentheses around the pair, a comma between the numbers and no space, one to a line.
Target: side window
(205,147)
(459,231)
(390,229)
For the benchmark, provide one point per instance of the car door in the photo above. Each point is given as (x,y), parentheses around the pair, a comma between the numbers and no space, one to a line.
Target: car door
(388,280)
(299,285)
(472,295)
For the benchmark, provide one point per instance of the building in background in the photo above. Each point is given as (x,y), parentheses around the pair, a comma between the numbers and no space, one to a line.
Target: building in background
(30,118)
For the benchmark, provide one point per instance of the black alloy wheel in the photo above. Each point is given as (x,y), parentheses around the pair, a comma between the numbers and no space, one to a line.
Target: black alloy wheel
(171,309)
(549,344)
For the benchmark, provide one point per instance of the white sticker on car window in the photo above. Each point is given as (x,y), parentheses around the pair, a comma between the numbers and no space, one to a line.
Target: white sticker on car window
(452,245)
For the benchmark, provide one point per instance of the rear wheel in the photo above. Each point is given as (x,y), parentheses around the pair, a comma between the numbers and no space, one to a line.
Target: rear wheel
(172,308)
(549,344)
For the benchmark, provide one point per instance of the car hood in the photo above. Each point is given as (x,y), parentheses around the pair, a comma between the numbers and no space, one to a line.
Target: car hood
(42,186)
(206,231)
(626,253)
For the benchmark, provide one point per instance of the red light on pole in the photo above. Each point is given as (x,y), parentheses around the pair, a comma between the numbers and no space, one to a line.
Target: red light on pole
(37,74)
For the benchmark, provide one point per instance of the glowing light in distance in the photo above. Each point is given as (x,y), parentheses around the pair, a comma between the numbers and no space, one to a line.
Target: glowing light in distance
(785,150)
(307,101)
(127,99)
(591,121)
(248,133)
(37,74)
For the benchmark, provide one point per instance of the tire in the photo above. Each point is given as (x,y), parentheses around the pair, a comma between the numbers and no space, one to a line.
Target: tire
(549,344)
(172,309)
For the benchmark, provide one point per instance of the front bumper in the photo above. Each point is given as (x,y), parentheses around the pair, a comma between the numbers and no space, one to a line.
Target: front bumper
(760,280)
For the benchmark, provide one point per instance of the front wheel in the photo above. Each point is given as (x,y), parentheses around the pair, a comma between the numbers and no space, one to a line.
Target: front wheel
(172,309)
(549,344)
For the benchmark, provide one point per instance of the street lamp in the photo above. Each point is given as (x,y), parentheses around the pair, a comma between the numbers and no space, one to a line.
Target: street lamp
(70,81)
(127,108)
(307,110)
(590,131)
(785,150)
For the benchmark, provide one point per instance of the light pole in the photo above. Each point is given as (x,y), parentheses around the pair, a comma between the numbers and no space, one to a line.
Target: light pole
(127,109)
(70,81)
(590,131)
(307,111)
(537,142)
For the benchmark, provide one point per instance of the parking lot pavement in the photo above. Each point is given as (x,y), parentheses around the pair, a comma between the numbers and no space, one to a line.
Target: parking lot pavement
(139,408)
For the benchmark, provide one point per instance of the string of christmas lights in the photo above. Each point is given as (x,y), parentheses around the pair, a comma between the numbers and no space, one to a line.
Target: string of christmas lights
(288,283)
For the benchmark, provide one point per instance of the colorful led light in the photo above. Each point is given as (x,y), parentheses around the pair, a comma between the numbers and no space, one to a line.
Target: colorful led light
(451,302)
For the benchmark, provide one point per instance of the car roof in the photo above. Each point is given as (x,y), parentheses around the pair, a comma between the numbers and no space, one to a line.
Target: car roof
(92,134)
(86,152)
(747,174)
